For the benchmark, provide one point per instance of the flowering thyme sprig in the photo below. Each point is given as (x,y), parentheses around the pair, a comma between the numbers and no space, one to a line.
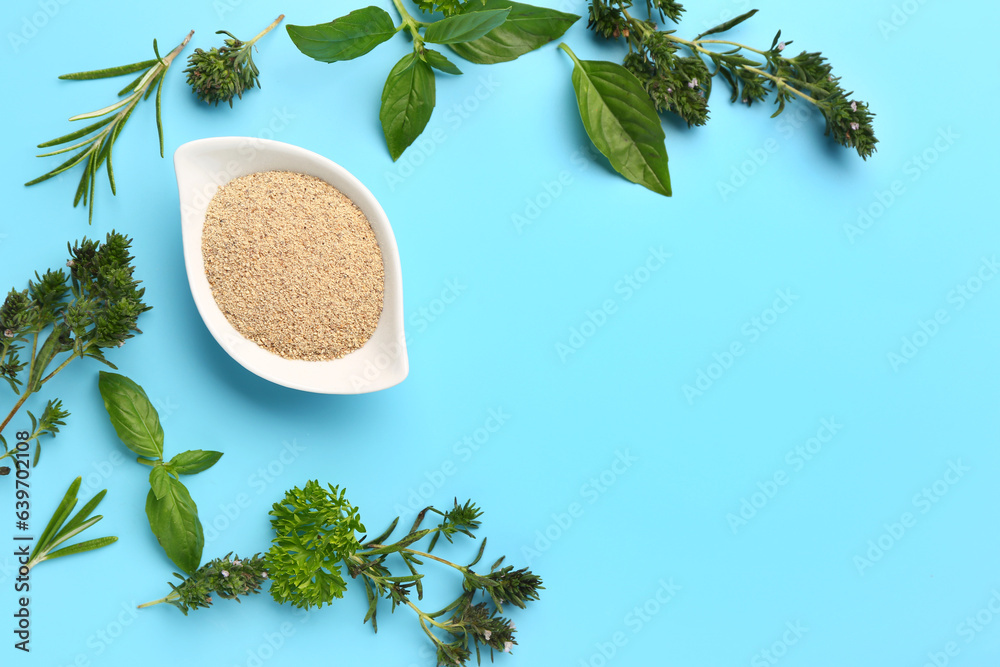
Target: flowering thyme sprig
(220,74)
(92,307)
(316,540)
(226,577)
(466,625)
(683,84)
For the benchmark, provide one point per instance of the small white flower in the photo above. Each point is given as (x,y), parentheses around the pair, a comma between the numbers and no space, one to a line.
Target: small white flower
(692,83)
(263,575)
(487,634)
(854,106)
(70,263)
(507,646)
(510,624)
(237,562)
(781,46)
(854,126)
(9,333)
(670,90)
(225,573)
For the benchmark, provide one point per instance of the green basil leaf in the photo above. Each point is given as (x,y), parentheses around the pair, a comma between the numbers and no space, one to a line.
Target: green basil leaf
(345,38)
(407,103)
(194,461)
(464,27)
(527,27)
(438,61)
(174,520)
(159,481)
(133,416)
(621,121)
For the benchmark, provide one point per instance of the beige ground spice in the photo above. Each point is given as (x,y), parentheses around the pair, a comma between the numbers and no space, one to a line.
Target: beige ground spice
(294,265)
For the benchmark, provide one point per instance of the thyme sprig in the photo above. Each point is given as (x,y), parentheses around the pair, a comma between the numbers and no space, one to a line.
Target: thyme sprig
(228,577)
(98,139)
(683,84)
(316,541)
(220,74)
(80,313)
(464,625)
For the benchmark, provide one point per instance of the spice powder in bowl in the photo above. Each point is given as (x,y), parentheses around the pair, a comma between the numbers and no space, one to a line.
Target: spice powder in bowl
(294,265)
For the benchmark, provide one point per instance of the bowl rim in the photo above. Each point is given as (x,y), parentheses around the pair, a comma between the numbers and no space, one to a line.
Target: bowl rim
(382,361)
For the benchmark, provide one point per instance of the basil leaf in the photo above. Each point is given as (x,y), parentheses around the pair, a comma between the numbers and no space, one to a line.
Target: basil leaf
(174,520)
(438,61)
(621,121)
(464,27)
(527,28)
(345,38)
(133,416)
(407,103)
(194,461)
(159,481)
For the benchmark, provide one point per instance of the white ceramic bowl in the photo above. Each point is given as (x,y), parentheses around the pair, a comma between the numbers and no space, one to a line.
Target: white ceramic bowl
(203,166)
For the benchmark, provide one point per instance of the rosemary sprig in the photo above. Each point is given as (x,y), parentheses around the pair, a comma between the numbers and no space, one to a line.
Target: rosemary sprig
(223,73)
(98,139)
(59,530)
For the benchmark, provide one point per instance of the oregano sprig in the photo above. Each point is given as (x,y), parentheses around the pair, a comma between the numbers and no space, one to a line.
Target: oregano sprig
(98,138)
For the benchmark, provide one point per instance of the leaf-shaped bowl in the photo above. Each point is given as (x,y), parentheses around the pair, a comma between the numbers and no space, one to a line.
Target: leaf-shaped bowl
(202,167)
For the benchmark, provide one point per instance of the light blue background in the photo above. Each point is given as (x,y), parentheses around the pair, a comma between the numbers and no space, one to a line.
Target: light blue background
(661,519)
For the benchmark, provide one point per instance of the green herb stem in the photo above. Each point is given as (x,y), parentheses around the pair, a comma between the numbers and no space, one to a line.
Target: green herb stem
(421,554)
(169,598)
(63,365)
(265,31)
(722,41)
(425,618)
(782,83)
(17,406)
(410,23)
